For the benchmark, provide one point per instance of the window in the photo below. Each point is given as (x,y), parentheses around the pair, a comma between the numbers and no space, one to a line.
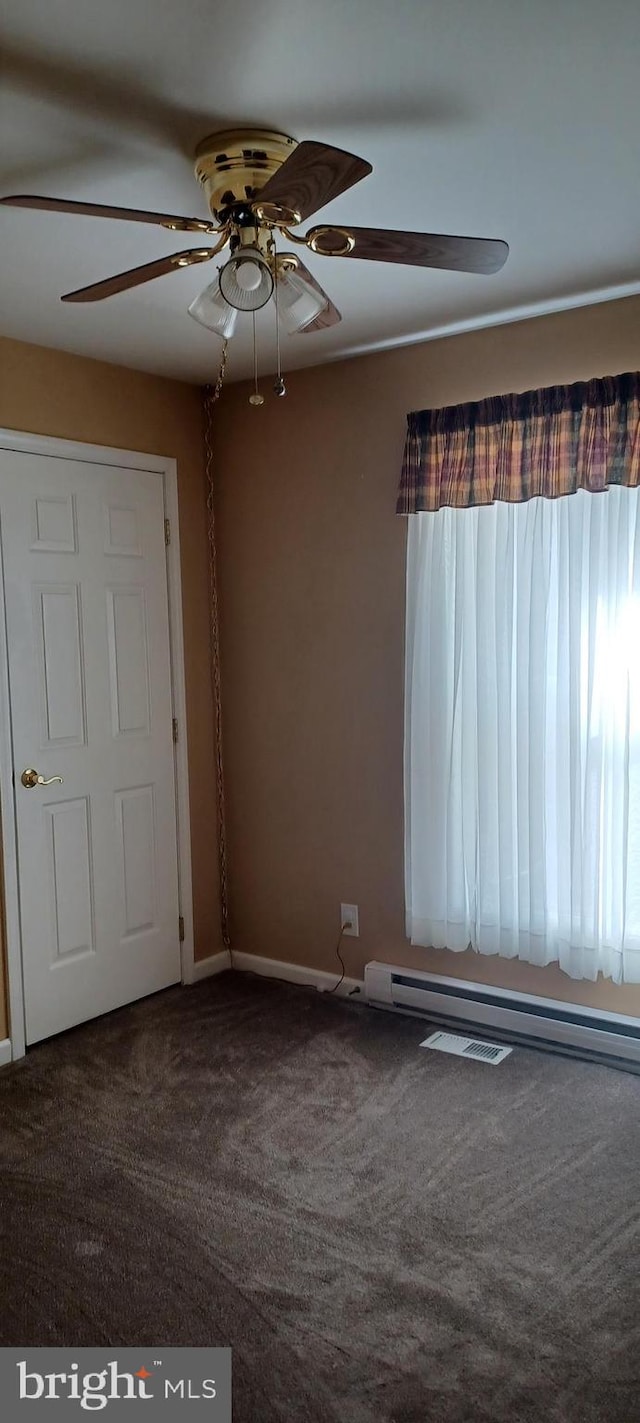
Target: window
(522,745)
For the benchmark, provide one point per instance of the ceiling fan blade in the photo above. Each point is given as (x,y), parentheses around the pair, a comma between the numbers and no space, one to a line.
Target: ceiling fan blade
(313,175)
(137,275)
(158,219)
(330,316)
(484,255)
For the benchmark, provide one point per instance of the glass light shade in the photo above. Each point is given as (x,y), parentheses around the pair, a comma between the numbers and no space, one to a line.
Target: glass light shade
(246,281)
(212,311)
(298,302)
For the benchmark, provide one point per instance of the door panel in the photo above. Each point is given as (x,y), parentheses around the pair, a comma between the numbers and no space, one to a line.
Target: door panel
(70,877)
(128,660)
(124,536)
(136,831)
(57,635)
(90,682)
(54,524)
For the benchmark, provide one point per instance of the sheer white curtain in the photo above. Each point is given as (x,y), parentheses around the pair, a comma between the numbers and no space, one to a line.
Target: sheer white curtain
(522,737)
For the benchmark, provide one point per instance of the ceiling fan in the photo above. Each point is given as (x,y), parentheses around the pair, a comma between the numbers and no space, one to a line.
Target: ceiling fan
(259,183)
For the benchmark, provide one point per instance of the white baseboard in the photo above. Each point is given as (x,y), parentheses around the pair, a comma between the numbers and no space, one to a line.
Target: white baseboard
(297,973)
(205,968)
(5,1052)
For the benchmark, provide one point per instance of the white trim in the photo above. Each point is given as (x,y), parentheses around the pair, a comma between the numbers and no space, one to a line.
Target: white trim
(181,749)
(206,968)
(23,442)
(5,1052)
(527,312)
(9,849)
(298,973)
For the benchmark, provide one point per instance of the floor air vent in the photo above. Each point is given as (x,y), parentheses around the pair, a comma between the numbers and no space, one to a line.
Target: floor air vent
(467,1047)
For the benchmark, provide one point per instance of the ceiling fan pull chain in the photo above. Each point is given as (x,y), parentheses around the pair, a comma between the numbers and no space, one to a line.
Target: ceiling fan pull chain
(279,386)
(211,396)
(256,398)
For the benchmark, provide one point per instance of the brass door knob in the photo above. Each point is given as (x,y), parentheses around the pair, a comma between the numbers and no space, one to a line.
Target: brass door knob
(31,779)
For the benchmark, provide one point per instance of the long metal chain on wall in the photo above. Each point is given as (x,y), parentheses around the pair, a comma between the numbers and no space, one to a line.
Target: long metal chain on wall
(211,396)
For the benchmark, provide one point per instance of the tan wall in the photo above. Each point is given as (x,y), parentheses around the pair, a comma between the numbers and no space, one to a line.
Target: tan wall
(51,393)
(312,583)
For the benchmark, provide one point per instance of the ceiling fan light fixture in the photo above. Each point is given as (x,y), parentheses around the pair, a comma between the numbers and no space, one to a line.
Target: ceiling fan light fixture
(298,303)
(211,310)
(246,280)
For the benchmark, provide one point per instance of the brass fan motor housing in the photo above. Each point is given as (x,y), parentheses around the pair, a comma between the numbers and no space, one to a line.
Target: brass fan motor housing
(234,165)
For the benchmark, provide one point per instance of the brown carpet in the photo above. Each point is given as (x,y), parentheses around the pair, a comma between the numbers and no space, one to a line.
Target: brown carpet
(383,1235)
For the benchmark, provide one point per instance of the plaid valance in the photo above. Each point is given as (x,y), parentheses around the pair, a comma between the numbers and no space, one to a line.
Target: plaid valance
(515,447)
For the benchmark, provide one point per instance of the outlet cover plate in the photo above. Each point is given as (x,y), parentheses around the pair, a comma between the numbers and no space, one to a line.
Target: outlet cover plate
(349,915)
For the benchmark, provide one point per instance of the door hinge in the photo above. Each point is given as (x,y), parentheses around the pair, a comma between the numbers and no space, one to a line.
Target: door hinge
(174,728)
(181,929)
(167,532)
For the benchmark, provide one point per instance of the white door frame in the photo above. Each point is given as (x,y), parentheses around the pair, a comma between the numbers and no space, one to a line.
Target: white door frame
(166,469)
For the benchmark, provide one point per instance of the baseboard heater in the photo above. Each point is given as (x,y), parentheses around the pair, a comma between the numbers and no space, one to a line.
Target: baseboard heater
(521,1017)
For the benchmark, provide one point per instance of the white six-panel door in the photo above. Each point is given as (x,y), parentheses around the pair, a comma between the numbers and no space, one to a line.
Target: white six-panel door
(90,688)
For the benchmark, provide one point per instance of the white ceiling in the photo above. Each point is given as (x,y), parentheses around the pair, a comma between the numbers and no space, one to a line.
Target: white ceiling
(481,117)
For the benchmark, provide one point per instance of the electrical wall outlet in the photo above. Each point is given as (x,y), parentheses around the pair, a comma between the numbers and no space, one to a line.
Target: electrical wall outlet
(349,916)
